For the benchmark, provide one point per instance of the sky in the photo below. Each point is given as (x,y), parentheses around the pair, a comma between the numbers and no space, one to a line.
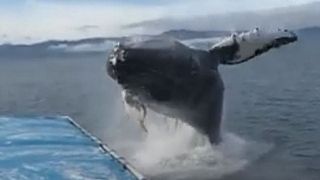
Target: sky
(37,20)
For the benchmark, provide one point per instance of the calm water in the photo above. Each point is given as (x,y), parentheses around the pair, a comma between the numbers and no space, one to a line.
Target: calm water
(273,101)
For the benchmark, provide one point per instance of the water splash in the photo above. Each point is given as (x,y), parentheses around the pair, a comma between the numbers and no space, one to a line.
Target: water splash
(178,152)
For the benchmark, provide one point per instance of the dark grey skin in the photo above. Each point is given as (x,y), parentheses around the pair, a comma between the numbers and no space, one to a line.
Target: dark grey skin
(175,80)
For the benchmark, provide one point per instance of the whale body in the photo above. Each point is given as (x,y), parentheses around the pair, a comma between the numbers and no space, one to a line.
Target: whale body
(177,81)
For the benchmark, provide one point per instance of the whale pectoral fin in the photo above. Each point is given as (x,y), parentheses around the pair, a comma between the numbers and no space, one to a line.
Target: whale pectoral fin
(143,118)
(207,115)
(209,122)
(215,136)
(214,113)
(134,103)
(143,126)
(242,47)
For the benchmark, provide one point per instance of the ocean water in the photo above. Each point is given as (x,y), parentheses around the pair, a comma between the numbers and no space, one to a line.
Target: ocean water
(270,127)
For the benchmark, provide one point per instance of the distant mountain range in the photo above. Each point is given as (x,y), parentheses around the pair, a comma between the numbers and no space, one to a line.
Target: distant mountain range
(101,45)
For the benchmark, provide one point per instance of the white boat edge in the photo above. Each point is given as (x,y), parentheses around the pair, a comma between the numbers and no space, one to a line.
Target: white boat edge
(106,148)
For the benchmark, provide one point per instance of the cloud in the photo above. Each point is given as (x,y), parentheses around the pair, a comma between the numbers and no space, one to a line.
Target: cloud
(86,28)
(44,21)
(75,19)
(84,47)
(289,17)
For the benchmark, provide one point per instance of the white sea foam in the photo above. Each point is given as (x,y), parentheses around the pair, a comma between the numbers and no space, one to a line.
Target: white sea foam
(178,152)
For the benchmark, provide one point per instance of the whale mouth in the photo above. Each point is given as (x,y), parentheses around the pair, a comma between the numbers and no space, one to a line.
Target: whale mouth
(125,64)
(126,72)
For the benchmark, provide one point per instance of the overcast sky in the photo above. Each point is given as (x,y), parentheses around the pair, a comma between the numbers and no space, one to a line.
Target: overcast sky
(33,20)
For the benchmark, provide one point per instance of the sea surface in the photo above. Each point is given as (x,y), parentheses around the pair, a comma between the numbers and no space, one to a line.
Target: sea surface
(271,125)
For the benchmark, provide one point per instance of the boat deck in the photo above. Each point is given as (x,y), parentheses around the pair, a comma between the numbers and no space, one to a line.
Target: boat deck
(56,148)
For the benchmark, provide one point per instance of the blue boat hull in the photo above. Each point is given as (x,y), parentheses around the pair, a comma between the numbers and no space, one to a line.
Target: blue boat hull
(56,148)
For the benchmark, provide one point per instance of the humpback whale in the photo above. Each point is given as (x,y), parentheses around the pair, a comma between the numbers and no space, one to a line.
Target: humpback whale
(178,81)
